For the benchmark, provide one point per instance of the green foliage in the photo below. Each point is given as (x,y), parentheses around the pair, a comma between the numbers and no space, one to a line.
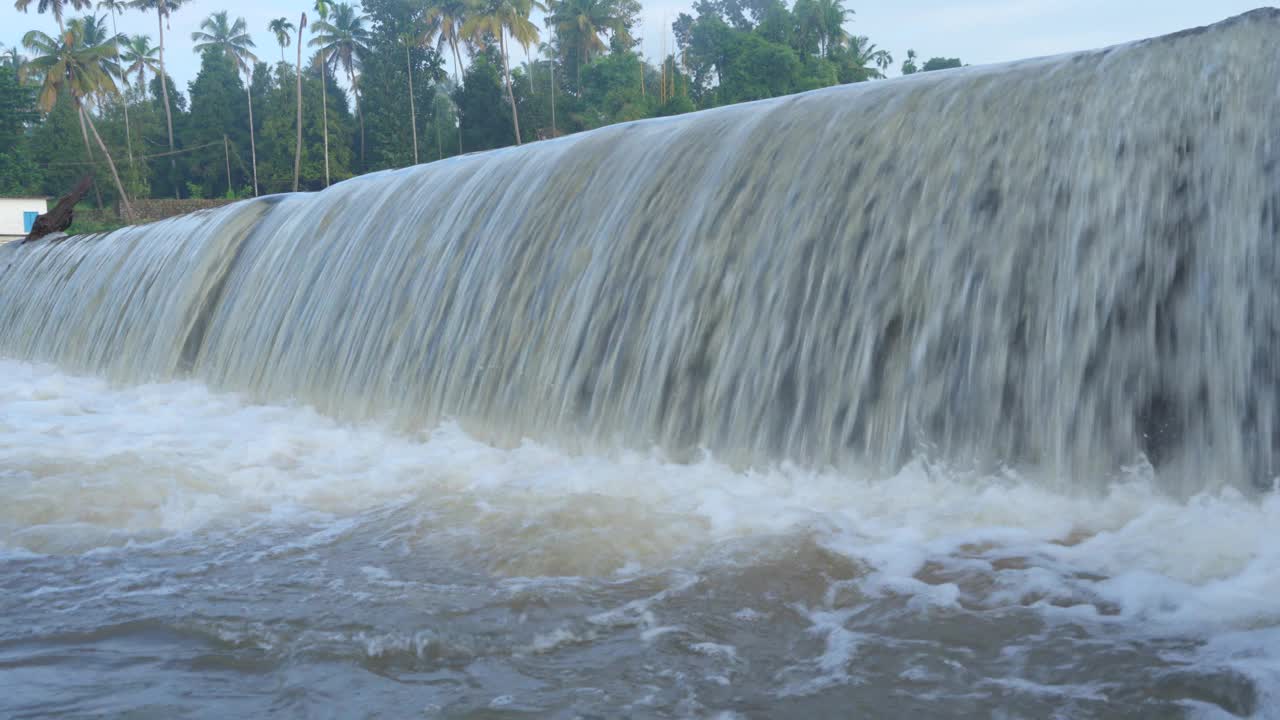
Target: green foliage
(940,63)
(18,174)
(482,106)
(217,109)
(87,220)
(587,73)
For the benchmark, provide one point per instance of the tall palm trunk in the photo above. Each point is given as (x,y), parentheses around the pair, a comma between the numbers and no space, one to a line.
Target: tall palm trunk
(355,90)
(88,151)
(413,111)
(297,149)
(506,67)
(126,211)
(253,145)
(168,116)
(457,61)
(124,101)
(457,69)
(324,114)
(551,63)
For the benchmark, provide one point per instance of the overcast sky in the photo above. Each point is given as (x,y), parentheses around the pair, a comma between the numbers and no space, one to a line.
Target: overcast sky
(976,31)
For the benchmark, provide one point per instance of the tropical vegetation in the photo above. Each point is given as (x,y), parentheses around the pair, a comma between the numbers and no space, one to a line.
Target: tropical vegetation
(381,85)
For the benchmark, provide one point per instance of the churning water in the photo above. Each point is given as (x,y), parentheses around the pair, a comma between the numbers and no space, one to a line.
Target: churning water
(953,395)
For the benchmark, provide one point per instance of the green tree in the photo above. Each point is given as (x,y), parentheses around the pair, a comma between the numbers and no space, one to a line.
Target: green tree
(610,95)
(580,26)
(482,111)
(297,155)
(139,56)
(862,60)
(940,63)
(444,20)
(81,71)
(345,40)
(163,9)
(215,94)
(115,7)
(910,66)
(494,20)
(232,39)
(281,27)
(396,63)
(322,10)
(18,174)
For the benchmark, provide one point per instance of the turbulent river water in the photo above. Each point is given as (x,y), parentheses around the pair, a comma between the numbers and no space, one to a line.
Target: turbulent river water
(946,396)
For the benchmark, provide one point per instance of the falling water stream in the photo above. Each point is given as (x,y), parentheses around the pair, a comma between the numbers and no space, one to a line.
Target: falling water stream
(951,395)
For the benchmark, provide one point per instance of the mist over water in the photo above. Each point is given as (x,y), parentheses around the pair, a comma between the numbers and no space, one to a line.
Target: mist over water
(949,395)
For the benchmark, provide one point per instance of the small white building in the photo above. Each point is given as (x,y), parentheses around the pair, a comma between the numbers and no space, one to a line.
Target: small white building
(17,214)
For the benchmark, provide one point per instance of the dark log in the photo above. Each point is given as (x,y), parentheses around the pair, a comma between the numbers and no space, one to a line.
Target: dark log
(59,218)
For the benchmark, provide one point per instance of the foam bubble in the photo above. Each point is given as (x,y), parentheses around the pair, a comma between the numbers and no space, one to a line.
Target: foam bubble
(86,464)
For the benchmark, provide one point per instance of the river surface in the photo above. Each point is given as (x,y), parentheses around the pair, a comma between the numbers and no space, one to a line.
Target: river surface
(172,552)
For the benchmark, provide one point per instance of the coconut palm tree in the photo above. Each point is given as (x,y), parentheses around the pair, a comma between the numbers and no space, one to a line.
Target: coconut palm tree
(345,40)
(910,66)
(281,27)
(322,10)
(115,7)
(233,39)
(163,9)
(831,16)
(297,149)
(444,21)
(13,58)
(89,31)
(868,61)
(580,24)
(53,7)
(138,57)
(79,71)
(495,20)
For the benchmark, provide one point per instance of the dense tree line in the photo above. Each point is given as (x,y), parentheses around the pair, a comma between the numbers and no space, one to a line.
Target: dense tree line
(363,88)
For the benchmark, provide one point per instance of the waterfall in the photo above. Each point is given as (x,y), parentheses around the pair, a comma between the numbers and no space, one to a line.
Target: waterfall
(1063,263)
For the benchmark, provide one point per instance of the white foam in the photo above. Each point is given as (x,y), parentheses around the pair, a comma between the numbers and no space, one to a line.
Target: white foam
(83,464)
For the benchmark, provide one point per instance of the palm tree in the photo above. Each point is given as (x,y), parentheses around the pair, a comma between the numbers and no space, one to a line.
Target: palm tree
(88,31)
(580,23)
(345,40)
(115,7)
(297,149)
(55,7)
(281,27)
(831,16)
(863,54)
(444,20)
(163,8)
(909,66)
(496,19)
(233,39)
(139,56)
(13,58)
(322,9)
(81,71)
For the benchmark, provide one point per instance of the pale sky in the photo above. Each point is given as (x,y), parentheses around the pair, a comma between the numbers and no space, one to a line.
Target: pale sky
(976,31)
